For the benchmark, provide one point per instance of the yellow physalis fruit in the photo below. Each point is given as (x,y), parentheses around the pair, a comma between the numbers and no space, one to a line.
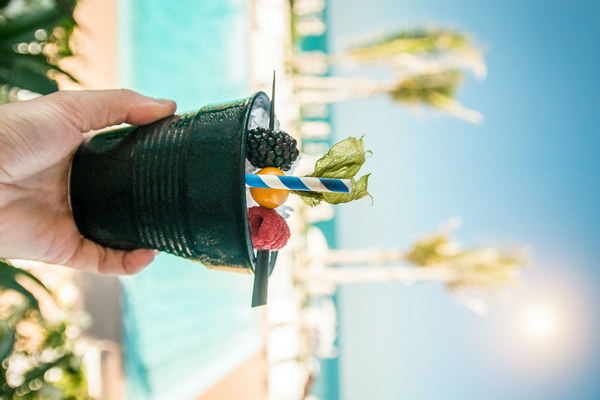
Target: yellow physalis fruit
(269,198)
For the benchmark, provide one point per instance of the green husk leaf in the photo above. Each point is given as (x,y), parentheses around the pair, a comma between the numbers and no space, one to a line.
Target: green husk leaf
(310,198)
(359,190)
(342,161)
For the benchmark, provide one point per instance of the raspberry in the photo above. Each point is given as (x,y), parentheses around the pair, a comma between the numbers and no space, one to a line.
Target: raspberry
(268,230)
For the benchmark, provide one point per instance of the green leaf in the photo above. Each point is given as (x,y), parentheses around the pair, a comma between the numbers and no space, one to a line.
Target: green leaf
(37,63)
(5,75)
(18,271)
(310,198)
(62,71)
(66,5)
(342,161)
(359,190)
(7,343)
(8,280)
(10,283)
(30,22)
(33,78)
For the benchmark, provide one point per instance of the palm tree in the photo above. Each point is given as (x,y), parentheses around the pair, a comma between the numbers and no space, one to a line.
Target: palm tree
(406,49)
(436,258)
(415,40)
(437,90)
(429,65)
(34,37)
(434,89)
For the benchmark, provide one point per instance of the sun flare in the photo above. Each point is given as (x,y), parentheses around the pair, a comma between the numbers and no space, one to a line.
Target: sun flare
(541,323)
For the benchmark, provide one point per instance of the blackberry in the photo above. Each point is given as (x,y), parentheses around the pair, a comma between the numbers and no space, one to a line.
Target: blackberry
(266,148)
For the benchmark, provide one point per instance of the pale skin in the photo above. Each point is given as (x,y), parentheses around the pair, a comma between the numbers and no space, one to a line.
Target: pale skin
(37,141)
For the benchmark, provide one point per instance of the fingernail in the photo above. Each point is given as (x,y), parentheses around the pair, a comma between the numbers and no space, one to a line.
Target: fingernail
(156,252)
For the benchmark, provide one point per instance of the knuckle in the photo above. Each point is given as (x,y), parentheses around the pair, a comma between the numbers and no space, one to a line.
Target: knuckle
(127,93)
(68,104)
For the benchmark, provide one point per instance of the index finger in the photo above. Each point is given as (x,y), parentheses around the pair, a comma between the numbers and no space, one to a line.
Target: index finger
(96,109)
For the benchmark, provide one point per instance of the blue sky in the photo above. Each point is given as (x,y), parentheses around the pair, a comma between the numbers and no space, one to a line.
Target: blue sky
(530,174)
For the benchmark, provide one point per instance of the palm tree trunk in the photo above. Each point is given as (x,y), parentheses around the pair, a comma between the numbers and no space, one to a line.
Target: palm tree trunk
(371,256)
(338,83)
(326,90)
(328,96)
(399,274)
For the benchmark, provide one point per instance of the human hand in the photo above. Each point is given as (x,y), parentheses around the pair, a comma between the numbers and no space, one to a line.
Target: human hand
(37,141)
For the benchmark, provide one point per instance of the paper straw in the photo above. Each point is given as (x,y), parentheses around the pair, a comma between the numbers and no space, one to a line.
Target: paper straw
(299,183)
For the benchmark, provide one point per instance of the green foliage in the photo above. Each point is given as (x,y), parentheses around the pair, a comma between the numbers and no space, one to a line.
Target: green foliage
(430,251)
(342,161)
(37,357)
(427,65)
(359,190)
(8,280)
(34,37)
(479,268)
(419,40)
(436,89)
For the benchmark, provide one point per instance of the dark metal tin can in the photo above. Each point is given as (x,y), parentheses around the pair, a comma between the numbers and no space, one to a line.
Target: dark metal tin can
(176,185)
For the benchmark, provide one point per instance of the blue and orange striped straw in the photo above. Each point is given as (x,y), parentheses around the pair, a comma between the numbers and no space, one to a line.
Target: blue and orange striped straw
(299,183)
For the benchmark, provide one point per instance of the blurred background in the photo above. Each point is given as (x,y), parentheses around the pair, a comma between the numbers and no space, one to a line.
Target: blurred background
(471,274)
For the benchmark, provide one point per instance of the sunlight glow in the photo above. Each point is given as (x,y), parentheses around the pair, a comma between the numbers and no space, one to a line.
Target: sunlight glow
(541,323)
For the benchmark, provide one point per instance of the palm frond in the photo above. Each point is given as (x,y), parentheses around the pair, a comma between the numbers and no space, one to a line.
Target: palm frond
(32,44)
(418,40)
(432,89)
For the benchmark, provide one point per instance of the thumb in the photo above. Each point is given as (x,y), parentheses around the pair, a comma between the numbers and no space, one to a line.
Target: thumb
(96,109)
(92,257)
